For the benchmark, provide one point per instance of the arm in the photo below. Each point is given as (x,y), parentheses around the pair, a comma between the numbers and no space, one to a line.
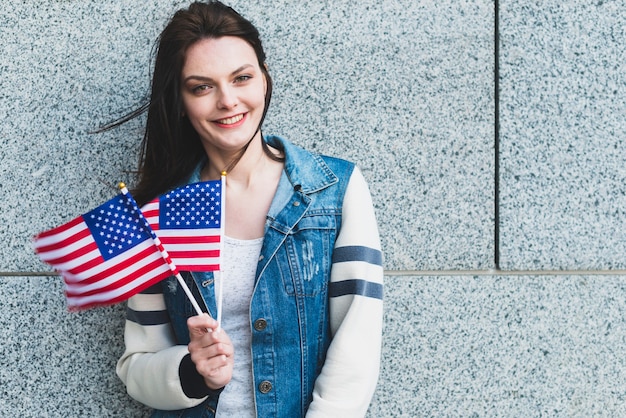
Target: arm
(349,375)
(156,371)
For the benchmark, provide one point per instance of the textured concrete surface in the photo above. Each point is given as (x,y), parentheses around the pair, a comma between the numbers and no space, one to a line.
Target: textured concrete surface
(454,346)
(516,346)
(59,364)
(403,89)
(563,101)
(406,89)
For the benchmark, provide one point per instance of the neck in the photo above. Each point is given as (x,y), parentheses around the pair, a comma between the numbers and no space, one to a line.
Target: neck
(243,167)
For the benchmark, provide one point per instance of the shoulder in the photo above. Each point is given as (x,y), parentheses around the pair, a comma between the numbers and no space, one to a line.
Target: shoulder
(338,164)
(300,160)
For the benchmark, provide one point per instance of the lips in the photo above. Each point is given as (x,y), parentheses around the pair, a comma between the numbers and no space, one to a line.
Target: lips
(231,121)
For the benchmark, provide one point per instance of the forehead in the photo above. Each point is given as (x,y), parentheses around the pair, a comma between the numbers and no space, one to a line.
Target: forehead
(218,55)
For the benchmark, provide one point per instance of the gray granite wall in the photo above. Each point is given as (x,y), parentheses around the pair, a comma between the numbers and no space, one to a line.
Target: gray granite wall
(500,199)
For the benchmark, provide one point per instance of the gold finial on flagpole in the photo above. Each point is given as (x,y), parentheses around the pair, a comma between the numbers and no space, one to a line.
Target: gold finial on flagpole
(224,173)
(121,185)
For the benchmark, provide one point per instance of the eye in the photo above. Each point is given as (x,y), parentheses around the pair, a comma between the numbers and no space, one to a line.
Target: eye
(242,78)
(200,89)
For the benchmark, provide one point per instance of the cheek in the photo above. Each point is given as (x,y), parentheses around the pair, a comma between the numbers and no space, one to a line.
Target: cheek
(264,85)
(260,95)
(195,109)
(196,116)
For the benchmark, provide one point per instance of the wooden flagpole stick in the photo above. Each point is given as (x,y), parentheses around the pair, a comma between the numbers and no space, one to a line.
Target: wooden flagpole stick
(162,249)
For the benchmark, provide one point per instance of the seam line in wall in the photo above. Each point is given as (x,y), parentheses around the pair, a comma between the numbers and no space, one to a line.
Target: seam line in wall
(496,141)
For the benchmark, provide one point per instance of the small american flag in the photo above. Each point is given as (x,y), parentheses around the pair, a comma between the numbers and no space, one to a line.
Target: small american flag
(105,256)
(188,220)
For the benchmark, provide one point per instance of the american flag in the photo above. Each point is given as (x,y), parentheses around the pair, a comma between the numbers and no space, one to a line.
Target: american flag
(188,220)
(105,256)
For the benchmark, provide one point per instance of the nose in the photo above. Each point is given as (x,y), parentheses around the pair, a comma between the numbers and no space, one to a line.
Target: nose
(227,98)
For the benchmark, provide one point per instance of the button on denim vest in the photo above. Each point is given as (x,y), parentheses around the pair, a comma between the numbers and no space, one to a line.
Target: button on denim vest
(289,307)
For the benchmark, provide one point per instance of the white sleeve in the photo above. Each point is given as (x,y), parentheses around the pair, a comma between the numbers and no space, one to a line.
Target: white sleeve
(150,364)
(348,379)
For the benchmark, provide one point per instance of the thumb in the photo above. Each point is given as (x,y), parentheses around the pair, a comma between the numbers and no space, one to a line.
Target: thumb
(200,324)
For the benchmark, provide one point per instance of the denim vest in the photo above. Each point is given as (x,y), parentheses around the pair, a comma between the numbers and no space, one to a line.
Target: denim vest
(289,307)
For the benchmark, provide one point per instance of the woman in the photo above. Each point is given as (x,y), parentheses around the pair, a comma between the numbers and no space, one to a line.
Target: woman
(302,320)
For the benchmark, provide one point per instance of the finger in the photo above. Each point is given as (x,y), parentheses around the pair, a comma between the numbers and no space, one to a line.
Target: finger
(214,368)
(200,324)
(216,374)
(213,361)
(210,344)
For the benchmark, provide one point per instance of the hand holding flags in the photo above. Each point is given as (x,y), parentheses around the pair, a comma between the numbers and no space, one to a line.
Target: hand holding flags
(112,252)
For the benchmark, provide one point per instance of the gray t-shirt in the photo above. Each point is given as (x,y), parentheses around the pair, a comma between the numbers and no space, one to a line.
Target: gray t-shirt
(239,263)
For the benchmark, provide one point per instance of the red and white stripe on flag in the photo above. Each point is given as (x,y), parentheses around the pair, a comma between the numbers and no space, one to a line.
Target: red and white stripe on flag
(105,256)
(188,221)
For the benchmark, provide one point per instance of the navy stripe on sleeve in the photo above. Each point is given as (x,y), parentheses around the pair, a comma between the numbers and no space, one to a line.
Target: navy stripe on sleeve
(357,253)
(153,290)
(147,317)
(356,287)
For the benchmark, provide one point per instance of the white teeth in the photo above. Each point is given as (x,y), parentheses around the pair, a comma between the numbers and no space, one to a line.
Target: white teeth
(230,121)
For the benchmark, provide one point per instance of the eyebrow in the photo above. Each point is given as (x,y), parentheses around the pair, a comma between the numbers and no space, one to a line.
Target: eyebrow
(202,78)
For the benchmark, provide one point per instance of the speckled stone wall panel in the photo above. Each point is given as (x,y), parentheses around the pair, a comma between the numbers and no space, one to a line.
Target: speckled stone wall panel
(453,346)
(59,364)
(403,88)
(67,68)
(562,125)
(517,346)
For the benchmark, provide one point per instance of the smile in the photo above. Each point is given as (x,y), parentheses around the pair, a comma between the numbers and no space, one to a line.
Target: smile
(232,120)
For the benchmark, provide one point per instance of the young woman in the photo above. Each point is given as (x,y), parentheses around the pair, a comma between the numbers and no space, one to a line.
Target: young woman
(302,320)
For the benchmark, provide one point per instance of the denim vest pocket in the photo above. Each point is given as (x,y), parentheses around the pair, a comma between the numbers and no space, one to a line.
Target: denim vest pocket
(304,259)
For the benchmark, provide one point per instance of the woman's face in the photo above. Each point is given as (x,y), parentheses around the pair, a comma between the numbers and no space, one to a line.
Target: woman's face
(223,92)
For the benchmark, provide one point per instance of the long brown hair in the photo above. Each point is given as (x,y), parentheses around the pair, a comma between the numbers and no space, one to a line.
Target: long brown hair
(171,148)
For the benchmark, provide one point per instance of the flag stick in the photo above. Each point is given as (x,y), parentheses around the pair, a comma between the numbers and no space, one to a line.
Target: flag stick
(220,273)
(162,249)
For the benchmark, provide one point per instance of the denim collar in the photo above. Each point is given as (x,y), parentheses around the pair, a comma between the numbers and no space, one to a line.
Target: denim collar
(305,171)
